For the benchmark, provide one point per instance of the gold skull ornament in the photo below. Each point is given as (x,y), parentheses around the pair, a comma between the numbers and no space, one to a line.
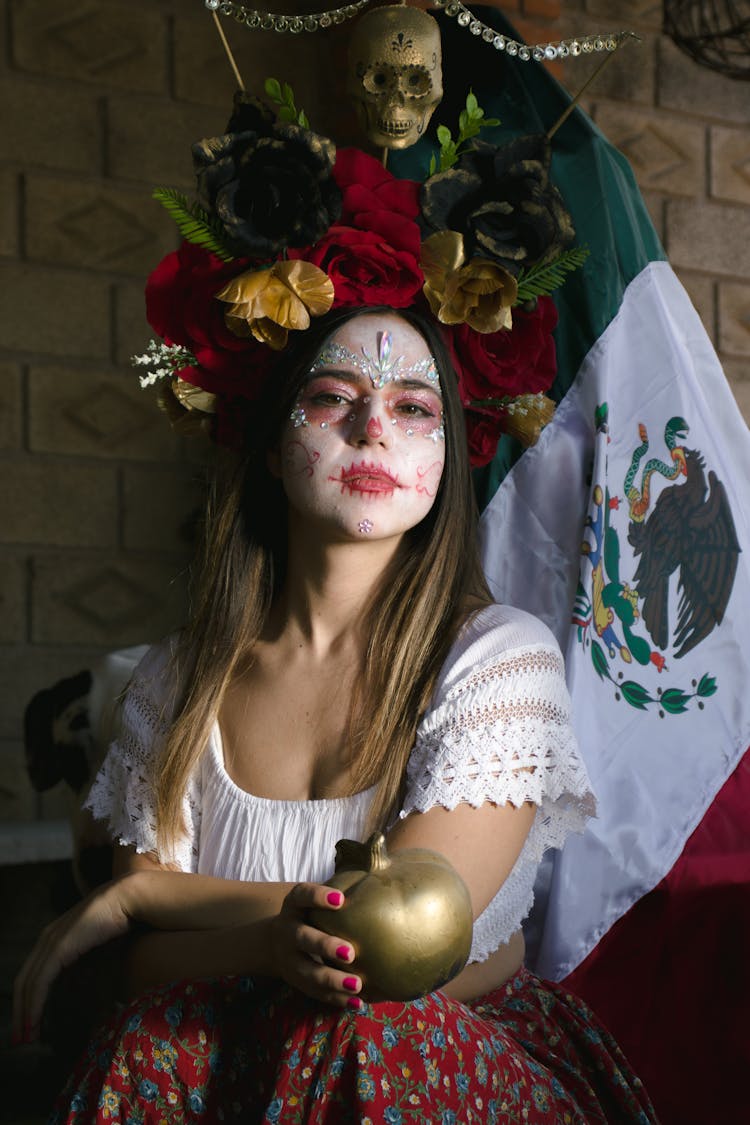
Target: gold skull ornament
(408,917)
(395,74)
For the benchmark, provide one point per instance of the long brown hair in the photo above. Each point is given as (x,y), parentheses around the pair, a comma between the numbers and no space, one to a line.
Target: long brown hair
(410,622)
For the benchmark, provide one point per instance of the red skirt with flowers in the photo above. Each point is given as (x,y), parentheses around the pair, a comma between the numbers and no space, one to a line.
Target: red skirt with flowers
(250,1050)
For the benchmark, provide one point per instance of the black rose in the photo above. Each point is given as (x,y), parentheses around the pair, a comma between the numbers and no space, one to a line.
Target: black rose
(270,186)
(502,201)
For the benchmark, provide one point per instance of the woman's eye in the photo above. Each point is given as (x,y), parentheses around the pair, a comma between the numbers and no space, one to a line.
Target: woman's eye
(415,409)
(328,398)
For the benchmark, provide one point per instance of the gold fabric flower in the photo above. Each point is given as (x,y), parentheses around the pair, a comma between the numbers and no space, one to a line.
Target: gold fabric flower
(526,416)
(266,303)
(478,292)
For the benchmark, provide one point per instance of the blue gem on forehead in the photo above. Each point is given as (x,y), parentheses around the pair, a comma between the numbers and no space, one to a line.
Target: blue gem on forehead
(379,370)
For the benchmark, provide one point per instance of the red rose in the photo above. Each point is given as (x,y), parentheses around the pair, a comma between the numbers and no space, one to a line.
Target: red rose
(483,431)
(372,254)
(367,187)
(365,267)
(519,361)
(181,308)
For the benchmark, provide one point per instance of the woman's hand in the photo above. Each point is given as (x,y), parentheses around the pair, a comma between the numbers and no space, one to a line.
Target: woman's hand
(98,919)
(308,958)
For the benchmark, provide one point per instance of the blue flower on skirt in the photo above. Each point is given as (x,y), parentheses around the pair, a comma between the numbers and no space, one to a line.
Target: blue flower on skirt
(273,1113)
(438,1037)
(337,1067)
(173,1015)
(390,1036)
(541,1098)
(133,1023)
(365,1087)
(392,1115)
(373,1053)
(319,1088)
(448,1118)
(196,1102)
(557,1088)
(462,1030)
(294,1060)
(462,1083)
(147,1089)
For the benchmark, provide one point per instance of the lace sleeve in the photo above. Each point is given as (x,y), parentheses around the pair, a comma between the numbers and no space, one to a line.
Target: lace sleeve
(122,794)
(502,733)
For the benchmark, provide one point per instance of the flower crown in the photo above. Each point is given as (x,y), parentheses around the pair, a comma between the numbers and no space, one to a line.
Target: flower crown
(286,228)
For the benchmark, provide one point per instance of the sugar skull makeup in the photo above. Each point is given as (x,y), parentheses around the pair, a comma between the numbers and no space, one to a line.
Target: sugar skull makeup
(370,418)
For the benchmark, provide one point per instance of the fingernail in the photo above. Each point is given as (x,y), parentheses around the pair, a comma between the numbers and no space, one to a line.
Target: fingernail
(344,953)
(354,1002)
(335,898)
(351,983)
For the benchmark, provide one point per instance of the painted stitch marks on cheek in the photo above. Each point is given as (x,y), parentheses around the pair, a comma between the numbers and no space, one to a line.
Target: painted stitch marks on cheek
(429,479)
(299,459)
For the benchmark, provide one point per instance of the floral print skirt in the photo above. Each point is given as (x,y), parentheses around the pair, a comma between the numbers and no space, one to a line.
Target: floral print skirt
(250,1050)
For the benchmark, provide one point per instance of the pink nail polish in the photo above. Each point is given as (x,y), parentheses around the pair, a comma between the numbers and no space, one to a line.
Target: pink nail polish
(344,953)
(354,1002)
(335,898)
(351,983)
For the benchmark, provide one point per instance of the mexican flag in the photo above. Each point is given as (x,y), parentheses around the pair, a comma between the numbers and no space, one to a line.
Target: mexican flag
(627,530)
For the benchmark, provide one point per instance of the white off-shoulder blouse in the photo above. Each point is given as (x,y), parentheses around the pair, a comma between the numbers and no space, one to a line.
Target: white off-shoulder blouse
(497,729)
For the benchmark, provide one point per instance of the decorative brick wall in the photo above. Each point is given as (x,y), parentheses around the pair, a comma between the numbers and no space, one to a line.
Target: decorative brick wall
(101,100)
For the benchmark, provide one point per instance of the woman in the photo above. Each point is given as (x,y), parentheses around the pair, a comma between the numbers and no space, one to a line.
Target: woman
(345,670)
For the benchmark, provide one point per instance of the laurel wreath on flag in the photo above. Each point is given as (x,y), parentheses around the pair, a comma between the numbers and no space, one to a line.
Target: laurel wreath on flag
(671,700)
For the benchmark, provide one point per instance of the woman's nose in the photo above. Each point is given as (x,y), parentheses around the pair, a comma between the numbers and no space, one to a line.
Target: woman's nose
(369,427)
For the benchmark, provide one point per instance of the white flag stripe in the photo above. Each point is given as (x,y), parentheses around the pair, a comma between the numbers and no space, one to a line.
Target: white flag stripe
(654,776)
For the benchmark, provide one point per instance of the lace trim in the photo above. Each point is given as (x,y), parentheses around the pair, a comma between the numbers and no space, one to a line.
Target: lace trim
(123,793)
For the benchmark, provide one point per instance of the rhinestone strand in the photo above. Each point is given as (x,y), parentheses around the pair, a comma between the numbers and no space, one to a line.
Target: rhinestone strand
(294,25)
(541,52)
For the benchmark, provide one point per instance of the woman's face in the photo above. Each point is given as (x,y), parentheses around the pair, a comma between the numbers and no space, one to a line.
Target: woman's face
(362,453)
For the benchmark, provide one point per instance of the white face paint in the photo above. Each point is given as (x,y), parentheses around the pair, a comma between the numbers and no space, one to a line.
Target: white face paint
(363,451)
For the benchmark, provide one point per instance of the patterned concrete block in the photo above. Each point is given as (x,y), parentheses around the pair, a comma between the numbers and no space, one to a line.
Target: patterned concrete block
(51,125)
(161,508)
(150,140)
(64,504)
(10,406)
(13,600)
(734,319)
(111,601)
(131,330)
(730,164)
(685,86)
(49,310)
(95,413)
(702,292)
(110,44)
(666,153)
(94,226)
(9,195)
(708,237)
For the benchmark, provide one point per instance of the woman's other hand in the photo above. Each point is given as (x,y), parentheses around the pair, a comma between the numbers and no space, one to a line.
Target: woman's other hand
(98,919)
(307,958)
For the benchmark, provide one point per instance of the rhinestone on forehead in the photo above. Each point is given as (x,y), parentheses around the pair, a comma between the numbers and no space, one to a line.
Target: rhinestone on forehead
(381,369)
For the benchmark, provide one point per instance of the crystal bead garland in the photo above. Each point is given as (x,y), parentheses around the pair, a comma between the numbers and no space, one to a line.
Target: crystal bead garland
(272,21)
(584,45)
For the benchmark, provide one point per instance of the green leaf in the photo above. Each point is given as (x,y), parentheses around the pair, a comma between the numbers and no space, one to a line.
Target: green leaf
(433,165)
(601,666)
(674,701)
(272,86)
(287,114)
(443,135)
(472,105)
(543,279)
(193,223)
(302,120)
(635,694)
(706,686)
(288,94)
(463,121)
